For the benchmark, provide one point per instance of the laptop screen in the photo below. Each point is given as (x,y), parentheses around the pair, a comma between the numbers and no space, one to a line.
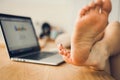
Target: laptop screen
(19,34)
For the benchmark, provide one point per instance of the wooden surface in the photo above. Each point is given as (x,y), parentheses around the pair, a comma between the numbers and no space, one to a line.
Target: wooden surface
(10,70)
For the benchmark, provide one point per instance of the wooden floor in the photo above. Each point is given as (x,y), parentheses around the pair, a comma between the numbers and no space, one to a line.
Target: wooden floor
(10,70)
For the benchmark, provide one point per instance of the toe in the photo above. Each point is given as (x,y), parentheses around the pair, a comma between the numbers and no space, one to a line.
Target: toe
(61,49)
(92,5)
(98,9)
(66,53)
(60,46)
(84,10)
(82,13)
(98,4)
(107,6)
(67,59)
(87,8)
(61,52)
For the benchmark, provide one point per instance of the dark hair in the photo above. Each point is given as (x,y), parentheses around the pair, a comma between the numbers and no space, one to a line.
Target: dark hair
(46,30)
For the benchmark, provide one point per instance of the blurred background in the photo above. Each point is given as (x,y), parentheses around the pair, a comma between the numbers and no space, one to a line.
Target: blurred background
(58,13)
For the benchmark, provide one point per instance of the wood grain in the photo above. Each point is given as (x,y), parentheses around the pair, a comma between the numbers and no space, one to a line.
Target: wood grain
(10,70)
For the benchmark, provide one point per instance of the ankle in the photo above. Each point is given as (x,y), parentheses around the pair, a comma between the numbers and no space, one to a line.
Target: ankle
(104,47)
(98,56)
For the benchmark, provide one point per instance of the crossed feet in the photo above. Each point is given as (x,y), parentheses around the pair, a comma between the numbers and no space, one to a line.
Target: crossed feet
(90,24)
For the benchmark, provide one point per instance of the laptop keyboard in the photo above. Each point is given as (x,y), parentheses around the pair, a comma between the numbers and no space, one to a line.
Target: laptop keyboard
(39,55)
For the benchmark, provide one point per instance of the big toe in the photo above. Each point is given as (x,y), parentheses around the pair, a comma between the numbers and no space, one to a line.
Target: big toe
(107,6)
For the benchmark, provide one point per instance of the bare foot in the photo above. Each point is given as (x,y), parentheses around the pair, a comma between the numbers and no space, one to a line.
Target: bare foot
(90,23)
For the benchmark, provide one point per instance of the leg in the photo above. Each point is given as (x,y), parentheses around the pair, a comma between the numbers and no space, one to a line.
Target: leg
(115,49)
(91,22)
(115,66)
(112,37)
(113,42)
(108,46)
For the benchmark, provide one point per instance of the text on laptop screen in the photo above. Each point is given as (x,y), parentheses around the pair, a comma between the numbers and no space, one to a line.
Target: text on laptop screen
(19,33)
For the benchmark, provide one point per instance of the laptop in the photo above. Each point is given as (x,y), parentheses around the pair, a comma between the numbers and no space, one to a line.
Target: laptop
(22,43)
